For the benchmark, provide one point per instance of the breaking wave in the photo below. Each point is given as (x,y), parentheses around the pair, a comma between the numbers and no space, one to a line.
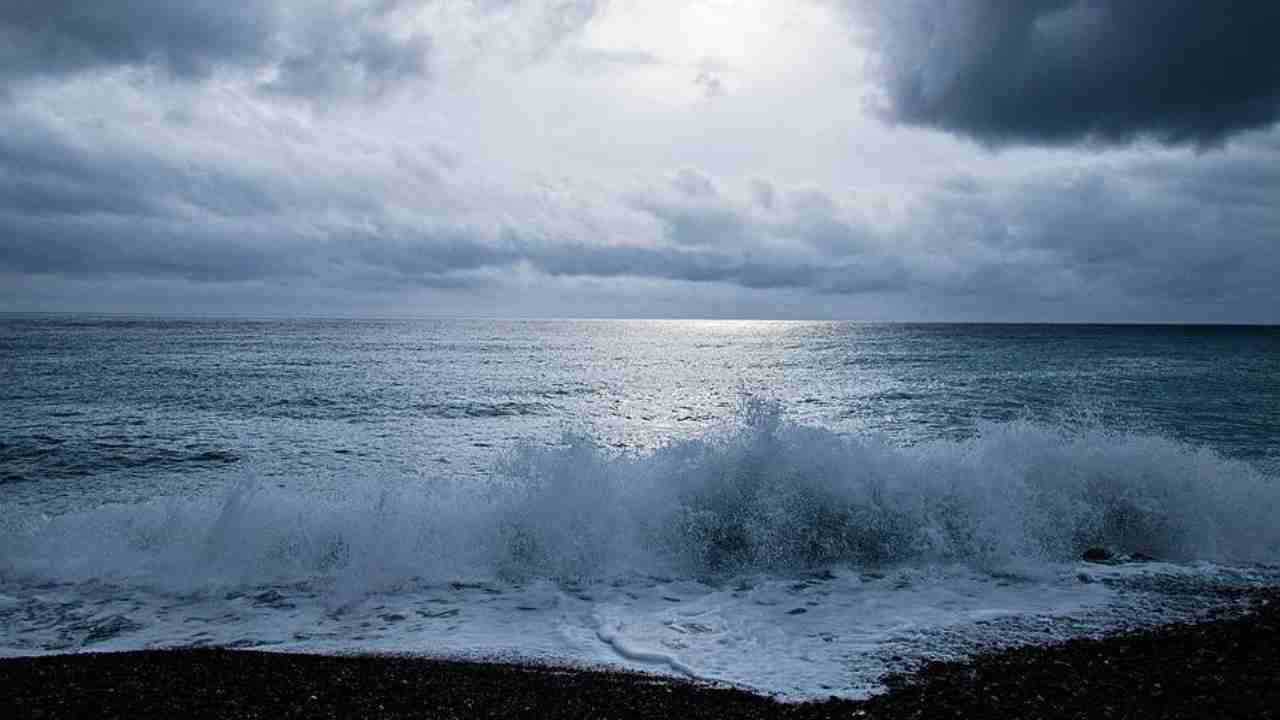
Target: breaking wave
(758,495)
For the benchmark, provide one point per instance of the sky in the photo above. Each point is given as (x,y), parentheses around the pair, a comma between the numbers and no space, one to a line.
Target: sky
(874,160)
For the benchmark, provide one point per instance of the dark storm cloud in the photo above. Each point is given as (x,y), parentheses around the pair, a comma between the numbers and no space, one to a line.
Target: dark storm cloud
(1055,71)
(51,37)
(46,170)
(844,277)
(348,52)
(111,245)
(417,257)
(73,204)
(1173,236)
(1150,234)
(220,194)
(308,49)
(694,212)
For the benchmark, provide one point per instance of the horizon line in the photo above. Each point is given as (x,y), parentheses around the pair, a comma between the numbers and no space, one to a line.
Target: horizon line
(18,314)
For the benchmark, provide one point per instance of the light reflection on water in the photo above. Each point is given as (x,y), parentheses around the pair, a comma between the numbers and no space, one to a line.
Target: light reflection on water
(121,409)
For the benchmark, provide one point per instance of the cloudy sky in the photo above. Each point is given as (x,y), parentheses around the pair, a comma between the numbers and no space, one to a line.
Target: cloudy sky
(1046,160)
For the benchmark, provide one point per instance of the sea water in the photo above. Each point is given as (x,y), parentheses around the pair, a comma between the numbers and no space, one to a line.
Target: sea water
(794,508)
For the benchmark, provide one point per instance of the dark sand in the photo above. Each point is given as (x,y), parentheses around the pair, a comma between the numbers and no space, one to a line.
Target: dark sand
(1221,669)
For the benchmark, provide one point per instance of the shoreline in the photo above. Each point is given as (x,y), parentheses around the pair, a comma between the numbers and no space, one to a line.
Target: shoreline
(1218,668)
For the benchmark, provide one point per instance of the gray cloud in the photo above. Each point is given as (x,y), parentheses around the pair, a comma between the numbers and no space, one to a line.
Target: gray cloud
(711,84)
(346,52)
(1055,71)
(222,186)
(595,59)
(76,205)
(1166,237)
(53,37)
(1141,238)
(306,49)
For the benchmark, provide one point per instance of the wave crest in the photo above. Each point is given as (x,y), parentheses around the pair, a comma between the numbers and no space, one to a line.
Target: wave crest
(775,496)
(758,495)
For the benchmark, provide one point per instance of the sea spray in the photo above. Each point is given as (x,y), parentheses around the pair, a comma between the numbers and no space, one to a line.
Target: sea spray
(758,495)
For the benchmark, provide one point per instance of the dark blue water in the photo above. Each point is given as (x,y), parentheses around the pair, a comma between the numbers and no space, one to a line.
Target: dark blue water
(97,402)
(660,495)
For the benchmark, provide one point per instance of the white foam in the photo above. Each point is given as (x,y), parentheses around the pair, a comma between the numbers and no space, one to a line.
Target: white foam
(760,495)
(691,558)
(747,633)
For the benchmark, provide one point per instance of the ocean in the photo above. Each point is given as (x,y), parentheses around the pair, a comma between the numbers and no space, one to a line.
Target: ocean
(790,507)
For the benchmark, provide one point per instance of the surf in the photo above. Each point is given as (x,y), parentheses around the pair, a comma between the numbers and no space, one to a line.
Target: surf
(760,494)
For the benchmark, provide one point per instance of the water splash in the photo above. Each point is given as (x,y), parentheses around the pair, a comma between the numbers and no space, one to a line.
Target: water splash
(759,494)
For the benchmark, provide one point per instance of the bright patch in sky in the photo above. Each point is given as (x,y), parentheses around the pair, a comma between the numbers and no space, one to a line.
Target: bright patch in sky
(682,52)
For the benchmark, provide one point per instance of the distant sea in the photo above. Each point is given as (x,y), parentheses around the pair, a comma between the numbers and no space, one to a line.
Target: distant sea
(790,507)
